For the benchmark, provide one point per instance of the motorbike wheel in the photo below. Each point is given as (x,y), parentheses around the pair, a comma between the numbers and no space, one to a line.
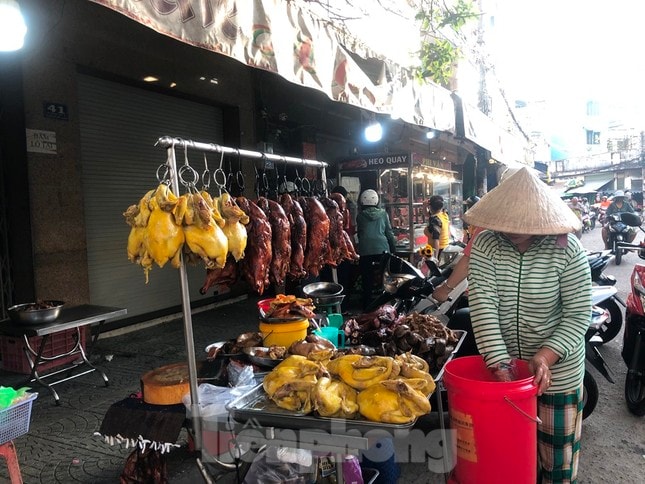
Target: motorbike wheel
(593,224)
(635,392)
(612,327)
(618,256)
(589,395)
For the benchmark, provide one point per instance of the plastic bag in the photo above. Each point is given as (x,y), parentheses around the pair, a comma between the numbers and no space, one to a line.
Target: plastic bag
(265,470)
(505,371)
(213,399)
(240,374)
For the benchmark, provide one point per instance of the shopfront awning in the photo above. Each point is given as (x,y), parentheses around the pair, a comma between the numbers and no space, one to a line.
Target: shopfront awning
(281,37)
(591,186)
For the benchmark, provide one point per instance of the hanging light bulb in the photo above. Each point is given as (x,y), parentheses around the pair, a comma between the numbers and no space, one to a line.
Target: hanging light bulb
(373,131)
(12,26)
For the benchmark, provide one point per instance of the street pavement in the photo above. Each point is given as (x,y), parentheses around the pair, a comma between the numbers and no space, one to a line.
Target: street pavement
(61,448)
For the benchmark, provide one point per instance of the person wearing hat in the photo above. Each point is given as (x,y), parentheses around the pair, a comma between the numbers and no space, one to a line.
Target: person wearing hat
(530,298)
(375,236)
(438,228)
(618,205)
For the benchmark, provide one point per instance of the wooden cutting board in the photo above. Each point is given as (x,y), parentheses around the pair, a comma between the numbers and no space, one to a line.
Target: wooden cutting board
(166,385)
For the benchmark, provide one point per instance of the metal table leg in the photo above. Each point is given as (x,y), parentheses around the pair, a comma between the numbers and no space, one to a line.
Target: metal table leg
(35,358)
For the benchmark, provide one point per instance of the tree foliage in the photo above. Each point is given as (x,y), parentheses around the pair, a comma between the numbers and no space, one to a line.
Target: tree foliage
(438,55)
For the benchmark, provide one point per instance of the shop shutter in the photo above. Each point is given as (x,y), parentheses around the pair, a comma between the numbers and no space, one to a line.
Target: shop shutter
(119,126)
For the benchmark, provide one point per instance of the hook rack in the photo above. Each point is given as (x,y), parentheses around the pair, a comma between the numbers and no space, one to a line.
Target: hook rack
(171,144)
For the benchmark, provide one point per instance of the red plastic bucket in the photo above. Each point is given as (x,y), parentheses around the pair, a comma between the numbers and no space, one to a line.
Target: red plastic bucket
(496,423)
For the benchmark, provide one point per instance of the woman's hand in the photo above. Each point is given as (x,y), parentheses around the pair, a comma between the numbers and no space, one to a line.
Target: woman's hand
(441,293)
(540,366)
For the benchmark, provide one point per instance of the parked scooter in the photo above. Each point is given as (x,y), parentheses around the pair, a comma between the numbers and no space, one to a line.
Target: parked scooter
(593,339)
(407,289)
(633,352)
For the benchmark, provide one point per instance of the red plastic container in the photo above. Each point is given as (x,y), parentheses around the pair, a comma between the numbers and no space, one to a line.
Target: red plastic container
(495,422)
(14,359)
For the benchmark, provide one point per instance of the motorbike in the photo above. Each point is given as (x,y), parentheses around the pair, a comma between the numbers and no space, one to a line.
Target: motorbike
(633,351)
(593,340)
(586,222)
(408,289)
(593,218)
(598,262)
(620,225)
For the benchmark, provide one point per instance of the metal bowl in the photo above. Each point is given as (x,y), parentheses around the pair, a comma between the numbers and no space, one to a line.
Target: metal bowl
(35,313)
(322,289)
(323,301)
(254,353)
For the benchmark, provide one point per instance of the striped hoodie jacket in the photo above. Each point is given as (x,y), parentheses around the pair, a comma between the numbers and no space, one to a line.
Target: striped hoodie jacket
(522,302)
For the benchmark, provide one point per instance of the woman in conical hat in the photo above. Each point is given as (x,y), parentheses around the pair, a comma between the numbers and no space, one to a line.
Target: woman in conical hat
(530,299)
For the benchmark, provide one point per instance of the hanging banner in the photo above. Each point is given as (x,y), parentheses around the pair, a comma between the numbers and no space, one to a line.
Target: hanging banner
(278,36)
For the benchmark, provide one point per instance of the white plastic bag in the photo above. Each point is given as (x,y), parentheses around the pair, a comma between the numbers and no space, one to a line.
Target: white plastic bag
(213,399)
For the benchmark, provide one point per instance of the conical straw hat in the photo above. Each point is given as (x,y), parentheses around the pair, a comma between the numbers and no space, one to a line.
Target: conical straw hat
(523,204)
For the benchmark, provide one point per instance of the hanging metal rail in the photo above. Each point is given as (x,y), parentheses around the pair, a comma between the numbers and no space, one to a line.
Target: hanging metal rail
(170,144)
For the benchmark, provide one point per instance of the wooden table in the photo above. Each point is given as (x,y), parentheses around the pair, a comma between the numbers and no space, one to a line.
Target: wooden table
(74,317)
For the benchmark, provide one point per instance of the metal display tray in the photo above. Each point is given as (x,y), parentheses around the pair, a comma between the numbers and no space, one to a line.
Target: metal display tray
(462,336)
(256,406)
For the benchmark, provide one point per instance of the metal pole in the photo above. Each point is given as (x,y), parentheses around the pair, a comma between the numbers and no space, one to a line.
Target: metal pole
(167,141)
(188,323)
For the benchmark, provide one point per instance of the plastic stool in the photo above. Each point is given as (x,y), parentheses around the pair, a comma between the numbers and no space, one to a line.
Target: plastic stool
(8,451)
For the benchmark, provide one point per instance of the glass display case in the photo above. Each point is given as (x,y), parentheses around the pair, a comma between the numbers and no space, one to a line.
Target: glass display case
(405,194)
(405,182)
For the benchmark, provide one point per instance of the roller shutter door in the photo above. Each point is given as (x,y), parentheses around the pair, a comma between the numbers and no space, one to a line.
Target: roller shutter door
(119,126)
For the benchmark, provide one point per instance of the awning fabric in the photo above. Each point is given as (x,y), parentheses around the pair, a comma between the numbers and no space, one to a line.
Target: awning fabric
(503,146)
(591,186)
(280,37)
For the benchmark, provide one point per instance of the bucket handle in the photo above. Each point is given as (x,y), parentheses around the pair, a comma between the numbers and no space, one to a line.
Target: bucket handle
(531,418)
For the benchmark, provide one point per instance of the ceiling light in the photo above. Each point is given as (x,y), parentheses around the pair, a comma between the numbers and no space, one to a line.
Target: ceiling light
(12,26)
(173,84)
(150,79)
(214,80)
(374,132)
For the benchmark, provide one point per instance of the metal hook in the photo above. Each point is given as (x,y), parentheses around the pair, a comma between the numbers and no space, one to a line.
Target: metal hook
(186,155)
(206,175)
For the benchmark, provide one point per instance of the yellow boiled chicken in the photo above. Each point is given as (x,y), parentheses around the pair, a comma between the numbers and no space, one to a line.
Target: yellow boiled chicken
(393,401)
(361,372)
(234,229)
(214,206)
(334,398)
(163,238)
(137,217)
(291,384)
(204,237)
(415,367)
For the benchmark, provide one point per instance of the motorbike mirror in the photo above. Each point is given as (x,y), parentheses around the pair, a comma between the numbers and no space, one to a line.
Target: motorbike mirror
(397,265)
(433,268)
(631,219)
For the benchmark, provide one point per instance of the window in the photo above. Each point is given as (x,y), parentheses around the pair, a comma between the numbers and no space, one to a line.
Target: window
(593,137)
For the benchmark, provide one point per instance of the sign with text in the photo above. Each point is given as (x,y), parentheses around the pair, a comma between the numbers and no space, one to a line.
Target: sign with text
(39,141)
(55,111)
(377,161)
